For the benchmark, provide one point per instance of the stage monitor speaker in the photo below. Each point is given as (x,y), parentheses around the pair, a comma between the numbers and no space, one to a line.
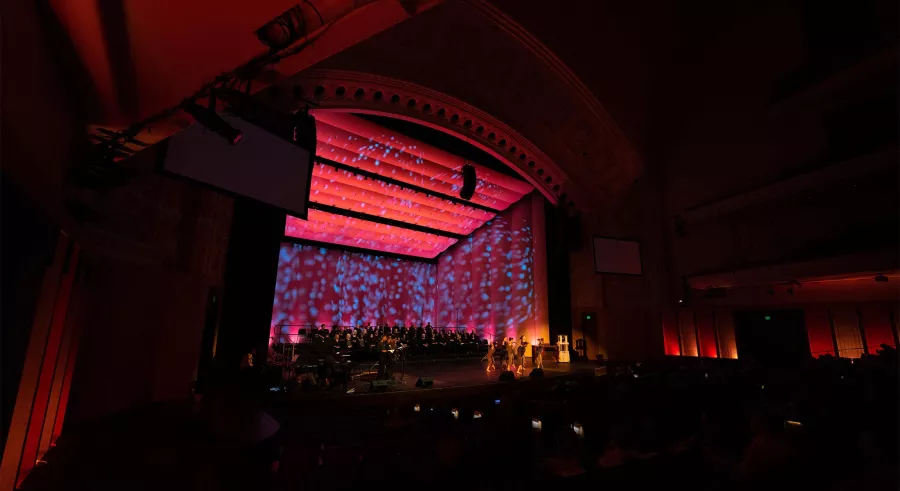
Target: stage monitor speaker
(425,382)
(588,328)
(379,386)
(507,376)
(537,373)
(468,187)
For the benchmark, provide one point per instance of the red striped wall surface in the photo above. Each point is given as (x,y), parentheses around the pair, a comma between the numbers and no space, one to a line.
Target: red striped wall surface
(706,330)
(845,319)
(671,343)
(818,328)
(878,326)
(688,333)
(725,329)
(699,332)
(43,389)
(851,329)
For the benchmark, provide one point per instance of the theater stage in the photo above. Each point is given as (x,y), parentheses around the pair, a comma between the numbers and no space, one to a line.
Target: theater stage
(456,374)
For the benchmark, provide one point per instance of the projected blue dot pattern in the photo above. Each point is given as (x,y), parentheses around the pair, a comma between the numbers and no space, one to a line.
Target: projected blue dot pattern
(326,286)
(484,282)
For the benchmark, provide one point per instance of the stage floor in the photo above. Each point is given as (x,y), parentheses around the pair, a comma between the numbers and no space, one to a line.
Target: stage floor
(455,374)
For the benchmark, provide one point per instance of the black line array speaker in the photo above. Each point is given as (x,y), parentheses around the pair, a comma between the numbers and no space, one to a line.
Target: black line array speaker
(468,187)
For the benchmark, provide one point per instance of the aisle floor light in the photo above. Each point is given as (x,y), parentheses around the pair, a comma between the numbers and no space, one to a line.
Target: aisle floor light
(578,429)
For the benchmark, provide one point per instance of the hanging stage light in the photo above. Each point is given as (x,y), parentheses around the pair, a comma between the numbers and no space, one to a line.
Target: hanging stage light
(208,118)
(469,181)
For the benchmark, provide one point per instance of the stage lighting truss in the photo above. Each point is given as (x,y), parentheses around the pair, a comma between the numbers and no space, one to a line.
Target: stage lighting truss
(123,142)
(208,118)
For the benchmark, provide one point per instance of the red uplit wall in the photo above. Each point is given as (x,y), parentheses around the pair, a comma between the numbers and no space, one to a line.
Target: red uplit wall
(879,326)
(855,329)
(843,330)
(42,399)
(818,328)
(671,342)
(705,333)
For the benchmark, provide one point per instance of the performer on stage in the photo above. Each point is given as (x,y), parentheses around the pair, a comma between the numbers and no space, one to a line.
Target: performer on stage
(383,357)
(392,349)
(492,347)
(511,354)
(538,359)
(520,353)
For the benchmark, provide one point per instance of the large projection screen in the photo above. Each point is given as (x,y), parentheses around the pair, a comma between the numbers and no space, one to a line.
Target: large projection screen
(617,256)
(262,166)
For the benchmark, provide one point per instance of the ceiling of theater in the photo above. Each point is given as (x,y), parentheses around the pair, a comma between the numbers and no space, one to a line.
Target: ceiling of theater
(573,80)
(494,56)
(378,189)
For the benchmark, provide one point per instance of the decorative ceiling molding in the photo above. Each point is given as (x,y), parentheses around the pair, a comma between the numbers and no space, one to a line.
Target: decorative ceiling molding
(373,94)
(623,147)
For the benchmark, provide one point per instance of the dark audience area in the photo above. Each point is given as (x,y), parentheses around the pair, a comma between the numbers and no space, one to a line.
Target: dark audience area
(708,424)
(831,424)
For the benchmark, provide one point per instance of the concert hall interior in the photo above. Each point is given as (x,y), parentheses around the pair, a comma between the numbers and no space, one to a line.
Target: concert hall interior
(339,244)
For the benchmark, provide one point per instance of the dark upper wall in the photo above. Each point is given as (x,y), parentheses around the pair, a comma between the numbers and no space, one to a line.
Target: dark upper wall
(620,50)
(40,124)
(796,130)
(749,99)
(464,50)
(151,247)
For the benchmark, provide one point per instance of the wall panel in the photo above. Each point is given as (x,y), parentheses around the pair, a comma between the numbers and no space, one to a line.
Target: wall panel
(688,333)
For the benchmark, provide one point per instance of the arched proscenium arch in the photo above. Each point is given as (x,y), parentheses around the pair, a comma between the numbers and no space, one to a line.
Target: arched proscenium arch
(372,94)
